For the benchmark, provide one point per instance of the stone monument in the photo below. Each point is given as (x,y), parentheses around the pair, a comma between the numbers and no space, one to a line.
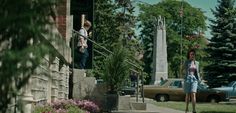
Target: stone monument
(160,65)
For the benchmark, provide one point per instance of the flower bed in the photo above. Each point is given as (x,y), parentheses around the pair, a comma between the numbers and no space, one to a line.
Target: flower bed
(68,106)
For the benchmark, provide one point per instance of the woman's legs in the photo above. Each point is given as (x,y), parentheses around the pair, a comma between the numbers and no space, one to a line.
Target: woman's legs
(193,99)
(193,95)
(187,99)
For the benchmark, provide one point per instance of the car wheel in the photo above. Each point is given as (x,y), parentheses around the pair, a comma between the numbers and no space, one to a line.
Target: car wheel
(213,99)
(161,98)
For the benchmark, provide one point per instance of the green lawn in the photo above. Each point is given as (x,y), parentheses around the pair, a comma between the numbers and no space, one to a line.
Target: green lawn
(201,107)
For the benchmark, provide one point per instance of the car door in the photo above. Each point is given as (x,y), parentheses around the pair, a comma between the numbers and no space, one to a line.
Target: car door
(176,91)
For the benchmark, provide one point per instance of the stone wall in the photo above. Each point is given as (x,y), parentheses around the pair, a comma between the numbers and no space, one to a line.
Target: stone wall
(83,86)
(40,81)
(50,82)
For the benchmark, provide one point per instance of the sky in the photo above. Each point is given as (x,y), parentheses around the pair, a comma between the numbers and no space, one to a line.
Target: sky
(204,5)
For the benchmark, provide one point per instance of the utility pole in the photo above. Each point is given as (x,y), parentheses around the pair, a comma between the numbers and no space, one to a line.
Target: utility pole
(181,38)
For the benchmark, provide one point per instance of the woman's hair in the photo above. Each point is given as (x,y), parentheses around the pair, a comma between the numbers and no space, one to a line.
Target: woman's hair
(191,50)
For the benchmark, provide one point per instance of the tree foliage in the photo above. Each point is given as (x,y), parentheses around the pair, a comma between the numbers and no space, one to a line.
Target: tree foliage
(114,22)
(221,49)
(105,33)
(193,25)
(22,46)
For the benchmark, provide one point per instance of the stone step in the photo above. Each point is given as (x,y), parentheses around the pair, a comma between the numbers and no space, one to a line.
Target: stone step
(138,106)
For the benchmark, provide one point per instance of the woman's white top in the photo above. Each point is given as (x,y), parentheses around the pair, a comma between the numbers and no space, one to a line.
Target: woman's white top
(83,32)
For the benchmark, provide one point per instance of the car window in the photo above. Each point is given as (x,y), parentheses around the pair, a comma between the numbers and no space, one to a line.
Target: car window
(99,81)
(163,82)
(177,84)
(231,84)
(202,86)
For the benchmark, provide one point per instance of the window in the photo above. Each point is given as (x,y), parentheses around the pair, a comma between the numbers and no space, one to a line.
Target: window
(177,84)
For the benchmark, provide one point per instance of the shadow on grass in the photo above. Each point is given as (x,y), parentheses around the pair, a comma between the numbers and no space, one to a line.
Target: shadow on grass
(215,112)
(230,103)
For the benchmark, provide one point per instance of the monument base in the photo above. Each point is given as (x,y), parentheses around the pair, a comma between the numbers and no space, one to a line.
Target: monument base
(158,76)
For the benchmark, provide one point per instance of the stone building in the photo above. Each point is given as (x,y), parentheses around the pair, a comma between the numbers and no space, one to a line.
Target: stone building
(51,80)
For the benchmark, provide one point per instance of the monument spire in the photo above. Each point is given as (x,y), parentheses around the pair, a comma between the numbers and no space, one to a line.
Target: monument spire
(160,65)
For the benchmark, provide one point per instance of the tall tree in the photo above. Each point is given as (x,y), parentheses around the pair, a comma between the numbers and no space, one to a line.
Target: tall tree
(22,46)
(221,49)
(193,25)
(105,32)
(114,22)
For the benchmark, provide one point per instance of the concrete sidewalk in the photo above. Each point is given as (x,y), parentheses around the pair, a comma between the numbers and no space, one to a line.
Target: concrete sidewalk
(158,109)
(150,107)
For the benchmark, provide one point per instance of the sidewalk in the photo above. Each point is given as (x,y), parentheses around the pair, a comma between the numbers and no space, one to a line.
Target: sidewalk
(158,109)
(150,108)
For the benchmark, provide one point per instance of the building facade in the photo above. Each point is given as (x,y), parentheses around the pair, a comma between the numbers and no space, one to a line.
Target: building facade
(50,80)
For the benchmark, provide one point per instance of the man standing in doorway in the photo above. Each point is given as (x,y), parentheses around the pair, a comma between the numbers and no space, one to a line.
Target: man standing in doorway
(82,43)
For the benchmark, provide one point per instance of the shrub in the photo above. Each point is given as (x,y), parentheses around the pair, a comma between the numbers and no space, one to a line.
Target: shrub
(44,109)
(116,69)
(68,106)
(87,105)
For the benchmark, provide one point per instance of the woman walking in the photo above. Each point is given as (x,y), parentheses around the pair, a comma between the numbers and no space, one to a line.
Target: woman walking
(191,79)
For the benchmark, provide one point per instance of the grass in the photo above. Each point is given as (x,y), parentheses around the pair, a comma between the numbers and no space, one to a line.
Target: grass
(201,107)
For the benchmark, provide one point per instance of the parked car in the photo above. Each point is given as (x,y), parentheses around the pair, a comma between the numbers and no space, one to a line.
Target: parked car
(128,90)
(230,90)
(125,90)
(172,90)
